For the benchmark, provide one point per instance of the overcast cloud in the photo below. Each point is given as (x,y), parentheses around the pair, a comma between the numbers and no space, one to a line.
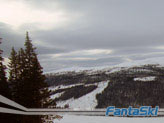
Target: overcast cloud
(84,33)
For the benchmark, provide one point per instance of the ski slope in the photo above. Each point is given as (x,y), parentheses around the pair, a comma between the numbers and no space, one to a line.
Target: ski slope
(54,88)
(87,101)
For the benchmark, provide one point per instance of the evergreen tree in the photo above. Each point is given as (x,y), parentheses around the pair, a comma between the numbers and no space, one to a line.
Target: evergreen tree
(13,65)
(13,73)
(31,81)
(21,86)
(28,82)
(4,91)
(4,87)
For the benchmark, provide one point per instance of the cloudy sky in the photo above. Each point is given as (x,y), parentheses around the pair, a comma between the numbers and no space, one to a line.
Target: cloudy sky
(84,33)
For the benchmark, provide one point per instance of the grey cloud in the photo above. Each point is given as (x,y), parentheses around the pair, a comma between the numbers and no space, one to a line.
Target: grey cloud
(145,56)
(131,28)
(10,39)
(46,50)
(67,63)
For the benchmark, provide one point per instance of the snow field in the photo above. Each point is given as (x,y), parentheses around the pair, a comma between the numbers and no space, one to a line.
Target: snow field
(87,101)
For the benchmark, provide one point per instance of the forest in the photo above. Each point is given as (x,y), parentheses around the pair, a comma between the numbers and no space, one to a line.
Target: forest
(25,84)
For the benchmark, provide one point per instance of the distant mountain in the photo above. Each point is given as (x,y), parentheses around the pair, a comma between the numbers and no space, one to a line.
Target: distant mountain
(155,60)
(118,86)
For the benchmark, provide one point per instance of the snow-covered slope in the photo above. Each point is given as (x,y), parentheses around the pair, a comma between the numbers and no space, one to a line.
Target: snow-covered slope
(87,101)
(53,88)
(145,79)
(56,95)
(96,77)
(156,60)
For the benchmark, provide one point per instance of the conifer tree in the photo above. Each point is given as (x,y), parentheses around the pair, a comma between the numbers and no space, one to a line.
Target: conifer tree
(33,89)
(13,73)
(13,65)
(28,81)
(4,91)
(4,87)
(16,74)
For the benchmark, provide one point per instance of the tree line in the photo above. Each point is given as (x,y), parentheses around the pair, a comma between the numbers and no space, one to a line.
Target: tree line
(124,91)
(25,84)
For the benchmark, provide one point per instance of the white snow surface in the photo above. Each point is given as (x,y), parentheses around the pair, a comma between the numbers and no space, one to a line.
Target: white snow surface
(144,79)
(103,119)
(56,95)
(53,88)
(155,60)
(87,101)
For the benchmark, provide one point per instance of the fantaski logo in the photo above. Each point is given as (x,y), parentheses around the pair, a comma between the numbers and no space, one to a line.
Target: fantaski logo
(142,111)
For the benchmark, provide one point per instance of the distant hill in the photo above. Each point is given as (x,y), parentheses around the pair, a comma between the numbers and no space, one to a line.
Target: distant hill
(117,86)
(154,60)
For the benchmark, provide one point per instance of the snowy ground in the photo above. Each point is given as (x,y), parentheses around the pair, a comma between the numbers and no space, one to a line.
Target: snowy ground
(87,101)
(56,95)
(156,60)
(101,119)
(54,88)
(144,79)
